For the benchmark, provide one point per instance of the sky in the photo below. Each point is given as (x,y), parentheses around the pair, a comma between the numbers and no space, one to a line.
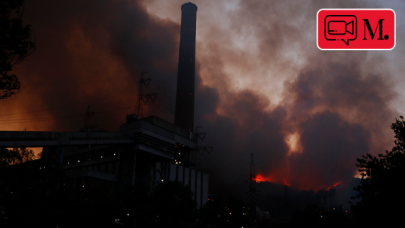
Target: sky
(262,84)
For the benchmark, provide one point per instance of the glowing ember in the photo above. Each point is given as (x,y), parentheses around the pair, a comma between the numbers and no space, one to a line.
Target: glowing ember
(335,185)
(285,183)
(260,178)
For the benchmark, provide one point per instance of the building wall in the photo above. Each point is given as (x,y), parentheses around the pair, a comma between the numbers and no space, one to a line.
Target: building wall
(196,180)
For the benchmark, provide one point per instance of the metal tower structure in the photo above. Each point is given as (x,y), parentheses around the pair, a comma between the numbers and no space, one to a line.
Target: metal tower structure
(89,113)
(143,98)
(253,192)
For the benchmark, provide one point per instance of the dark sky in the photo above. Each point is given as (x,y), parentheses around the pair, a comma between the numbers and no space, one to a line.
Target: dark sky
(263,86)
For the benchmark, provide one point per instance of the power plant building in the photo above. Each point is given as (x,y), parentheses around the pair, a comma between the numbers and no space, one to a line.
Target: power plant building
(146,151)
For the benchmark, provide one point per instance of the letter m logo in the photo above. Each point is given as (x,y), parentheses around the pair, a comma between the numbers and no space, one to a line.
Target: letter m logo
(370,31)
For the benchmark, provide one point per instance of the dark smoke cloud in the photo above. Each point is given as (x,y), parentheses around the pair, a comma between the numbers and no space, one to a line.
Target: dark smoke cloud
(260,79)
(91,50)
(331,147)
(337,92)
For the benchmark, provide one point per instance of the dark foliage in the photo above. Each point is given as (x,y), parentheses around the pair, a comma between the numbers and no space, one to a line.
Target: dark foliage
(170,205)
(28,192)
(381,189)
(220,212)
(15,156)
(15,44)
(314,216)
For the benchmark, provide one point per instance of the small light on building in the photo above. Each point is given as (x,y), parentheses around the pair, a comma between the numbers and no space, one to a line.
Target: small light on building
(114,154)
(78,161)
(179,162)
(83,186)
(68,163)
(39,167)
(163,180)
(101,156)
(244,213)
(179,153)
(128,214)
(321,216)
(333,208)
(219,216)
(230,213)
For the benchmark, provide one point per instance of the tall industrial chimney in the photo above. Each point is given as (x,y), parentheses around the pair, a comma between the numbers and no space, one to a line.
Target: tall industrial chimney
(184,112)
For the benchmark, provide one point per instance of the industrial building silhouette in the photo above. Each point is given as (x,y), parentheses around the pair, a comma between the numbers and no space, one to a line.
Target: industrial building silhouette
(146,151)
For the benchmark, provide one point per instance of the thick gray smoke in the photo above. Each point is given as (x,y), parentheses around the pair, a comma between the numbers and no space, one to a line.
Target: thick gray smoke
(260,80)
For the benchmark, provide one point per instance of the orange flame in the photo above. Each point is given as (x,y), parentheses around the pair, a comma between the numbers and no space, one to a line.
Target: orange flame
(260,178)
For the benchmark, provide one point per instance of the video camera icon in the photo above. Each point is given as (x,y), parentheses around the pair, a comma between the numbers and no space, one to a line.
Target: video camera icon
(341,27)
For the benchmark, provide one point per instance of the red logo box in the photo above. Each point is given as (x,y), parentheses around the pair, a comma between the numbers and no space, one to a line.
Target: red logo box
(355,29)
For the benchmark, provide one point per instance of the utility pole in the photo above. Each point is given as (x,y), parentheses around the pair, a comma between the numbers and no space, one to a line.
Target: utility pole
(252,193)
(143,97)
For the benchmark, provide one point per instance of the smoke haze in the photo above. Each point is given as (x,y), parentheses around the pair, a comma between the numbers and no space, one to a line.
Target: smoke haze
(263,86)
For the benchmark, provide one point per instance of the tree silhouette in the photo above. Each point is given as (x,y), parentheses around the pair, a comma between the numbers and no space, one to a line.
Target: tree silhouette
(16,156)
(15,44)
(225,212)
(315,216)
(171,205)
(381,191)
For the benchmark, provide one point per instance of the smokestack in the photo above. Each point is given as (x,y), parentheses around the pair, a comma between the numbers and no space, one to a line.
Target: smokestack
(184,112)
